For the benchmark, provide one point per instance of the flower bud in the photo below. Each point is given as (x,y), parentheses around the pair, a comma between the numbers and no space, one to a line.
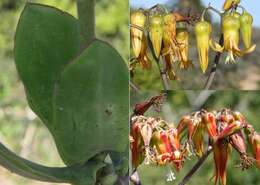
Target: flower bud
(246,21)
(138,18)
(156,33)
(228,4)
(202,33)
(238,142)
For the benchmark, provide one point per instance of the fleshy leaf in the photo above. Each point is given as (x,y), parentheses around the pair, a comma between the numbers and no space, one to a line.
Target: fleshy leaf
(46,40)
(91,105)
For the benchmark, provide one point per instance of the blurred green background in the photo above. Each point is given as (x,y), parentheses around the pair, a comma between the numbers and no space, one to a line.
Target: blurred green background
(245,74)
(179,103)
(20,129)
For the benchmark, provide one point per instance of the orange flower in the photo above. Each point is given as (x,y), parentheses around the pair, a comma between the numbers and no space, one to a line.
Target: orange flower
(176,155)
(160,140)
(255,143)
(221,150)
(209,121)
(137,145)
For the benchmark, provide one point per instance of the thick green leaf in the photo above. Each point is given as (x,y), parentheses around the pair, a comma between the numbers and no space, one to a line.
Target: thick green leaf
(46,40)
(91,105)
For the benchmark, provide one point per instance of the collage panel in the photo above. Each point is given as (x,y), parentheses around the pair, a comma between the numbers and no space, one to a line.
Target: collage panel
(64,111)
(194,45)
(195,137)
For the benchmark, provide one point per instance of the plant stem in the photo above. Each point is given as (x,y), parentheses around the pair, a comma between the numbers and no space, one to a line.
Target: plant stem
(31,170)
(163,76)
(86,16)
(214,67)
(196,167)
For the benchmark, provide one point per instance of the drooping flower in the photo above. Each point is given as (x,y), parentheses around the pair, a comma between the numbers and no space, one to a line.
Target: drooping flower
(182,37)
(156,33)
(221,151)
(246,21)
(143,56)
(230,29)
(255,143)
(138,19)
(160,141)
(209,121)
(198,139)
(137,145)
(176,155)
(203,32)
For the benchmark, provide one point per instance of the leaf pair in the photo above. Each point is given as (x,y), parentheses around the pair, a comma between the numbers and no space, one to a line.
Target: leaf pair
(82,97)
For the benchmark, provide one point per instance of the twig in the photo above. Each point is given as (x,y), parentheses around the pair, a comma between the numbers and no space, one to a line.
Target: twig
(134,87)
(163,76)
(214,67)
(196,166)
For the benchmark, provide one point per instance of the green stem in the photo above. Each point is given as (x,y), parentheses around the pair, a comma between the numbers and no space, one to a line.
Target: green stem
(86,16)
(28,169)
(78,174)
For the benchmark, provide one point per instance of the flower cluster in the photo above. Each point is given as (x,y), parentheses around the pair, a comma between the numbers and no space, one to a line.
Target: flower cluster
(168,37)
(156,141)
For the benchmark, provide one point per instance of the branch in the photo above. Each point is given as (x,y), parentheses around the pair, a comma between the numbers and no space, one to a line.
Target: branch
(214,67)
(163,76)
(196,166)
(25,168)
(86,16)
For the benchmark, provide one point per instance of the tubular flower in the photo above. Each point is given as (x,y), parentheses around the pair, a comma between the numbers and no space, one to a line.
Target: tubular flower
(209,121)
(177,156)
(246,21)
(186,122)
(230,29)
(143,56)
(221,151)
(156,33)
(169,34)
(255,143)
(198,139)
(229,3)
(202,32)
(137,145)
(138,18)
(161,142)
(182,37)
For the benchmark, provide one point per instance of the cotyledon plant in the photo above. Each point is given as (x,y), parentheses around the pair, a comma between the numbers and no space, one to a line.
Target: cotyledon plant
(78,86)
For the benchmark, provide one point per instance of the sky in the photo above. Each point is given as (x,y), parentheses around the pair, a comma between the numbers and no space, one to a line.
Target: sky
(253,6)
